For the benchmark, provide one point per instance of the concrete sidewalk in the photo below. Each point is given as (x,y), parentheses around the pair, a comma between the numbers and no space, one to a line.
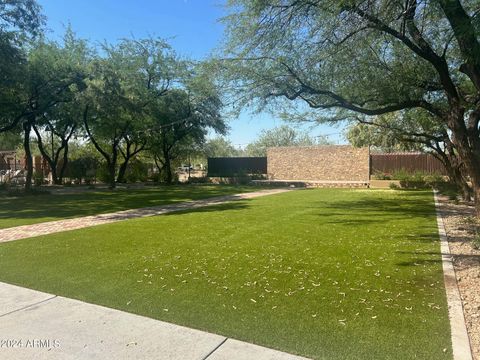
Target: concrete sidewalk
(37,325)
(50,227)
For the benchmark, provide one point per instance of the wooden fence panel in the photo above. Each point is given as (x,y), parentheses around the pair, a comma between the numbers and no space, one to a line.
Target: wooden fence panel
(409,162)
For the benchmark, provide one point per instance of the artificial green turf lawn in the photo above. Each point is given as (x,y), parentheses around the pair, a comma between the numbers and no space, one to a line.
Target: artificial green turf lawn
(327,273)
(24,210)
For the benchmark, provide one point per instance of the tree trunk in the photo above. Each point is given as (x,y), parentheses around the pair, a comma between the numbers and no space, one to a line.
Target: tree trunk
(467,144)
(53,170)
(472,164)
(51,159)
(112,165)
(168,170)
(462,184)
(122,170)
(456,176)
(466,192)
(476,197)
(65,164)
(28,156)
(111,175)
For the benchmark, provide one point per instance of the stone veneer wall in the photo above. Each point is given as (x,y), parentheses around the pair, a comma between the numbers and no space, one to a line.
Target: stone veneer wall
(319,163)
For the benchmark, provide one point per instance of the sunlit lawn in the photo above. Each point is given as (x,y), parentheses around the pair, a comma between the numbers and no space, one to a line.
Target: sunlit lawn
(328,274)
(24,210)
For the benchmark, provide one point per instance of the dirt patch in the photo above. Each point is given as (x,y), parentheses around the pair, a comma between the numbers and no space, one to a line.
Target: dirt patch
(466,261)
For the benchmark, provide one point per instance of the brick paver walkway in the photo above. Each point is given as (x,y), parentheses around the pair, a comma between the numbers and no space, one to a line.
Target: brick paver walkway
(25,231)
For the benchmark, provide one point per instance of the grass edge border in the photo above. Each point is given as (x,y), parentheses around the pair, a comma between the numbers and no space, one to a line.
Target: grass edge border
(459,335)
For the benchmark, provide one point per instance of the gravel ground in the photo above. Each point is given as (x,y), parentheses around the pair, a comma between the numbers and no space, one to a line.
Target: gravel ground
(466,260)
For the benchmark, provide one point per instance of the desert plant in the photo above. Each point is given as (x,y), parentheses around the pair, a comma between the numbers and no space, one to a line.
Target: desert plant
(380,175)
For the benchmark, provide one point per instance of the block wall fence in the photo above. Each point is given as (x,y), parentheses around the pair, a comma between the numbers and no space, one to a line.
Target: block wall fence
(318,163)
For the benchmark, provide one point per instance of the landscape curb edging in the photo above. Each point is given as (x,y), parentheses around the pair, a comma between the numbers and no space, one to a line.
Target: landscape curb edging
(460,340)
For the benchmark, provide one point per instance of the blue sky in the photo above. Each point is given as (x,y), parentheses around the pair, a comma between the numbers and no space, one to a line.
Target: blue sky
(191,26)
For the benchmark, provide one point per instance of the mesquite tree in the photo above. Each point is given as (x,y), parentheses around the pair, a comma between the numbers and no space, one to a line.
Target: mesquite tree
(181,121)
(57,125)
(369,57)
(123,86)
(49,79)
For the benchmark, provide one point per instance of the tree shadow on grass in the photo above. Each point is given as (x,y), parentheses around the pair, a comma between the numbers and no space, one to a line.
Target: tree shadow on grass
(463,260)
(100,202)
(231,205)
(378,210)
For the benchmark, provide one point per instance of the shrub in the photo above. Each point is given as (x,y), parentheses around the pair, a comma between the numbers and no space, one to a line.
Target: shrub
(380,175)
(449,189)
(393,186)
(156,177)
(418,180)
(38,178)
(198,180)
(103,174)
(434,180)
(81,168)
(136,171)
(162,177)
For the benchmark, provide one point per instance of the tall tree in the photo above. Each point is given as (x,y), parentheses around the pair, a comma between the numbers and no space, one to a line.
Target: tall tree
(181,121)
(282,136)
(10,140)
(47,81)
(20,21)
(57,125)
(368,57)
(380,138)
(219,147)
(125,84)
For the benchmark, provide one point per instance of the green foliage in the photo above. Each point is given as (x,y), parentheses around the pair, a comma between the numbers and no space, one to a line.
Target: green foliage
(449,189)
(393,186)
(418,180)
(379,175)
(10,140)
(19,21)
(20,15)
(137,171)
(103,174)
(199,180)
(181,121)
(38,178)
(304,51)
(83,168)
(281,136)
(219,147)
(400,131)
